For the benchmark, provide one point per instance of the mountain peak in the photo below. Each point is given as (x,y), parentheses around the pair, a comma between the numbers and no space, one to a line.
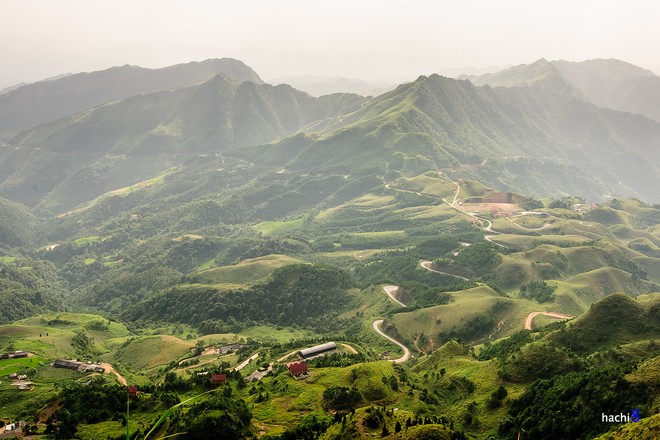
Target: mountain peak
(539,70)
(87,90)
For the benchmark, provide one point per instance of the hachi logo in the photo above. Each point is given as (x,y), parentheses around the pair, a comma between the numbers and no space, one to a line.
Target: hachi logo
(633,416)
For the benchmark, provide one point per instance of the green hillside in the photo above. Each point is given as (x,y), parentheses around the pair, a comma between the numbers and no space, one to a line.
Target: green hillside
(233,225)
(17,225)
(441,123)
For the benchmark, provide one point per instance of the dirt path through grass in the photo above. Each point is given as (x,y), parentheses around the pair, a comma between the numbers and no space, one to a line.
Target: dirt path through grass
(110,369)
(531,316)
(427,265)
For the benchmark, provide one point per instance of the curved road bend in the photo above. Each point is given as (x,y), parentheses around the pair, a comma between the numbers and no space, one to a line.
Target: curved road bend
(107,368)
(427,265)
(406,352)
(531,316)
(390,292)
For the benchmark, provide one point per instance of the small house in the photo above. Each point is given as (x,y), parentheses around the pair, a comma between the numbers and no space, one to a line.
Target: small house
(218,379)
(132,391)
(70,364)
(297,368)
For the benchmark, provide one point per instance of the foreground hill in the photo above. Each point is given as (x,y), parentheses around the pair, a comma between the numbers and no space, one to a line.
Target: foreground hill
(49,100)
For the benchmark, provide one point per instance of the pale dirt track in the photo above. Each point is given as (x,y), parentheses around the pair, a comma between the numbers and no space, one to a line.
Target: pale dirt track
(531,316)
(524,228)
(406,352)
(110,369)
(390,292)
(427,265)
(243,364)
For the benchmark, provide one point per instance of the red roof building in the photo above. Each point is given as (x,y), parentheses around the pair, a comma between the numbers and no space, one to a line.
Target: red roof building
(297,368)
(217,379)
(132,391)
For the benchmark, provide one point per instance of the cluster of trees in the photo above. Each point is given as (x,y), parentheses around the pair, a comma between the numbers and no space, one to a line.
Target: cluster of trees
(539,291)
(223,414)
(475,328)
(341,398)
(570,405)
(337,360)
(96,402)
(295,295)
(29,287)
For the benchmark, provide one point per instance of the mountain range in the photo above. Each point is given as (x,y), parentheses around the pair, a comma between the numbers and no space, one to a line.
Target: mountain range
(607,83)
(222,225)
(45,101)
(528,128)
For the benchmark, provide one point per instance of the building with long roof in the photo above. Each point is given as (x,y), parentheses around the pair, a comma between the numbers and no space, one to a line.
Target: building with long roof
(317,349)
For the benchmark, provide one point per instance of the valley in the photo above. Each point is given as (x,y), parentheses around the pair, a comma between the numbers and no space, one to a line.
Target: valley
(465,292)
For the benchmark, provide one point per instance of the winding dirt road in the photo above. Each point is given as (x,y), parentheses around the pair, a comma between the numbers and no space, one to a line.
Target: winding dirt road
(390,292)
(524,228)
(427,265)
(406,352)
(531,316)
(110,369)
(246,362)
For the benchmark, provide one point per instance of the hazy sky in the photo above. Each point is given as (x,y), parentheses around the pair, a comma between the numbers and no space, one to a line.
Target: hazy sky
(360,39)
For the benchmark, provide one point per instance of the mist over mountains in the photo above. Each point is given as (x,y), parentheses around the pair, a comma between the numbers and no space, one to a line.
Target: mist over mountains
(607,83)
(45,101)
(180,224)
(541,129)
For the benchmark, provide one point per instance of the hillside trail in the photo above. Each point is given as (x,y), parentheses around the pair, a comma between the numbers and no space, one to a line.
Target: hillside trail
(531,316)
(524,228)
(244,364)
(110,369)
(427,265)
(482,221)
(390,292)
(406,352)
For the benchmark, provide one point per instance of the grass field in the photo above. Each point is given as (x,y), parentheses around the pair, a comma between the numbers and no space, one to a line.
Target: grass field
(247,271)
(120,192)
(428,183)
(86,240)
(7,259)
(459,366)
(432,320)
(524,242)
(144,353)
(8,366)
(269,228)
(472,188)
